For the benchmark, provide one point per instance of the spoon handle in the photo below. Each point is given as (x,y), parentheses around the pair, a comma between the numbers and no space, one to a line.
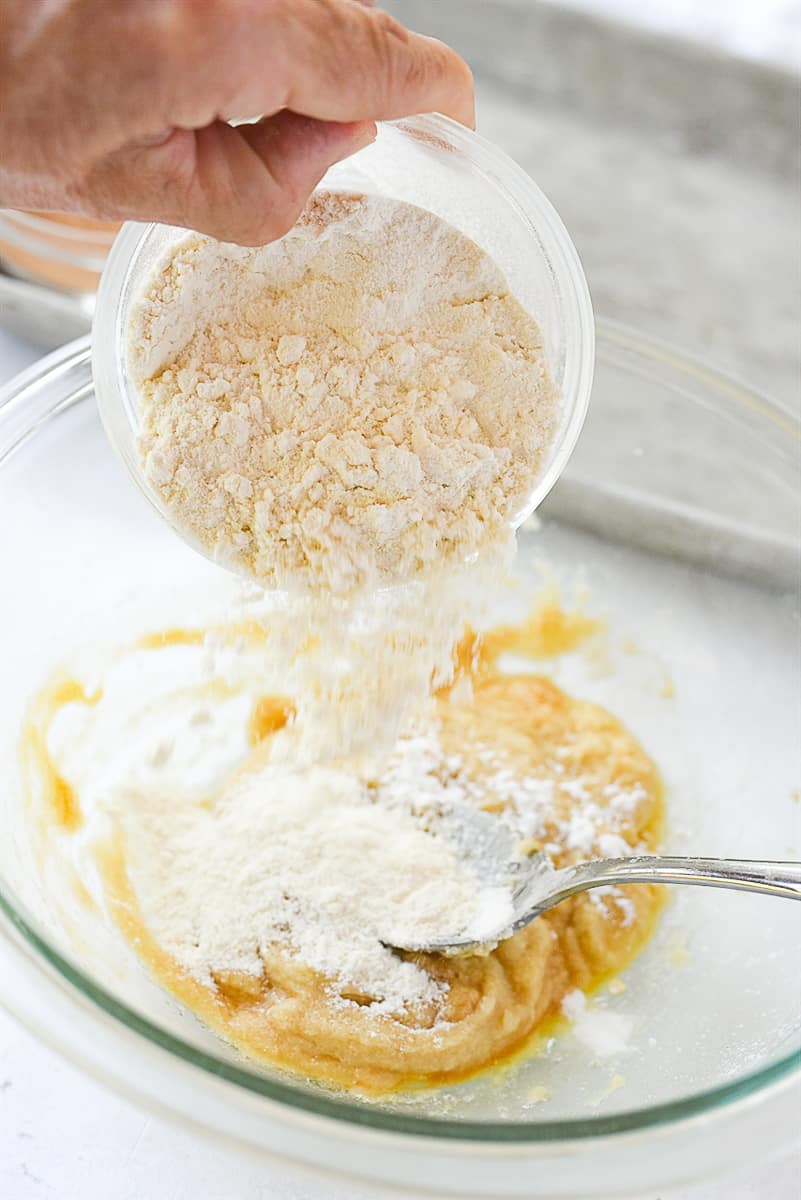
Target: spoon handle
(740,874)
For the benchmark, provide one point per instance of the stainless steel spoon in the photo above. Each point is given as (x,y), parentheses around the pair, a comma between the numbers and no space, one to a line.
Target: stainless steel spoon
(534,886)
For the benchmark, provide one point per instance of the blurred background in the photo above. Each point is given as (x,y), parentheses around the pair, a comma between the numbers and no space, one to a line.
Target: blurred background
(666,133)
(667,136)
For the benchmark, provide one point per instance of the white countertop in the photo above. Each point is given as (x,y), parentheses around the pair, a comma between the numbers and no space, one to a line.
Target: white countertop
(62,1137)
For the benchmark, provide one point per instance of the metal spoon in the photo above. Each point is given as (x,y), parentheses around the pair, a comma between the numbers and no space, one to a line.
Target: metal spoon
(490,849)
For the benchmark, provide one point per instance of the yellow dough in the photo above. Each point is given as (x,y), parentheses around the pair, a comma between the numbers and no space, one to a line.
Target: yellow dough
(289,1017)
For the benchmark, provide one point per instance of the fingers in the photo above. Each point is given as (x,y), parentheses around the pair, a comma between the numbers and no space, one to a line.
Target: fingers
(360,63)
(332,59)
(247,184)
(322,71)
(254,186)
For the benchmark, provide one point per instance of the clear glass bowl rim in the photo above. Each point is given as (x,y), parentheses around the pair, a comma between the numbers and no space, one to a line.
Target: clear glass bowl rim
(75,359)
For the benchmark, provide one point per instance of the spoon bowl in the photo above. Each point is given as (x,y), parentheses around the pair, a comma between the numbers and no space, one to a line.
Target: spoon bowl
(533,885)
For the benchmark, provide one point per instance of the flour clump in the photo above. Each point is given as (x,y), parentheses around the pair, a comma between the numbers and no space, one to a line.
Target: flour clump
(348,408)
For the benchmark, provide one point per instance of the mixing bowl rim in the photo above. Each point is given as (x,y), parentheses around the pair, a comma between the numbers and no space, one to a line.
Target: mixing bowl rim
(77,355)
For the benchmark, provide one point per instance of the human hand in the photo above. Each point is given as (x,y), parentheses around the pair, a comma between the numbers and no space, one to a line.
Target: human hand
(117,108)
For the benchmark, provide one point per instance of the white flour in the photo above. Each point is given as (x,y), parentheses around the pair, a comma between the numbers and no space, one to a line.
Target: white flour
(361,404)
(304,860)
(317,860)
(346,408)
(361,672)
(605,1033)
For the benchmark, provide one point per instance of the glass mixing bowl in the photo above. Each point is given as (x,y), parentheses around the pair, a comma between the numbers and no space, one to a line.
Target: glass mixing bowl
(436,164)
(679,513)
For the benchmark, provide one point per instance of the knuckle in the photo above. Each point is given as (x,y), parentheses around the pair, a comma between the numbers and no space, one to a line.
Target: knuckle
(387,26)
(424,70)
(411,69)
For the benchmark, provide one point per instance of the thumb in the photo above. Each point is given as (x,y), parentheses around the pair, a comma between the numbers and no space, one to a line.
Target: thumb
(245,184)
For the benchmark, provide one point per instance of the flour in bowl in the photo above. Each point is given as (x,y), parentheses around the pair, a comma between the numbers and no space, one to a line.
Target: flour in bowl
(263,893)
(347,408)
(312,861)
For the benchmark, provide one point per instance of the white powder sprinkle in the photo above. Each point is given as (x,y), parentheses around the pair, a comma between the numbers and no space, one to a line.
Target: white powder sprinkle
(604,1033)
(326,863)
(305,860)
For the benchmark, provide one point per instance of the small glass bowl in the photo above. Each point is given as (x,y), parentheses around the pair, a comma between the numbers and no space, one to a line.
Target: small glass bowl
(61,251)
(439,165)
